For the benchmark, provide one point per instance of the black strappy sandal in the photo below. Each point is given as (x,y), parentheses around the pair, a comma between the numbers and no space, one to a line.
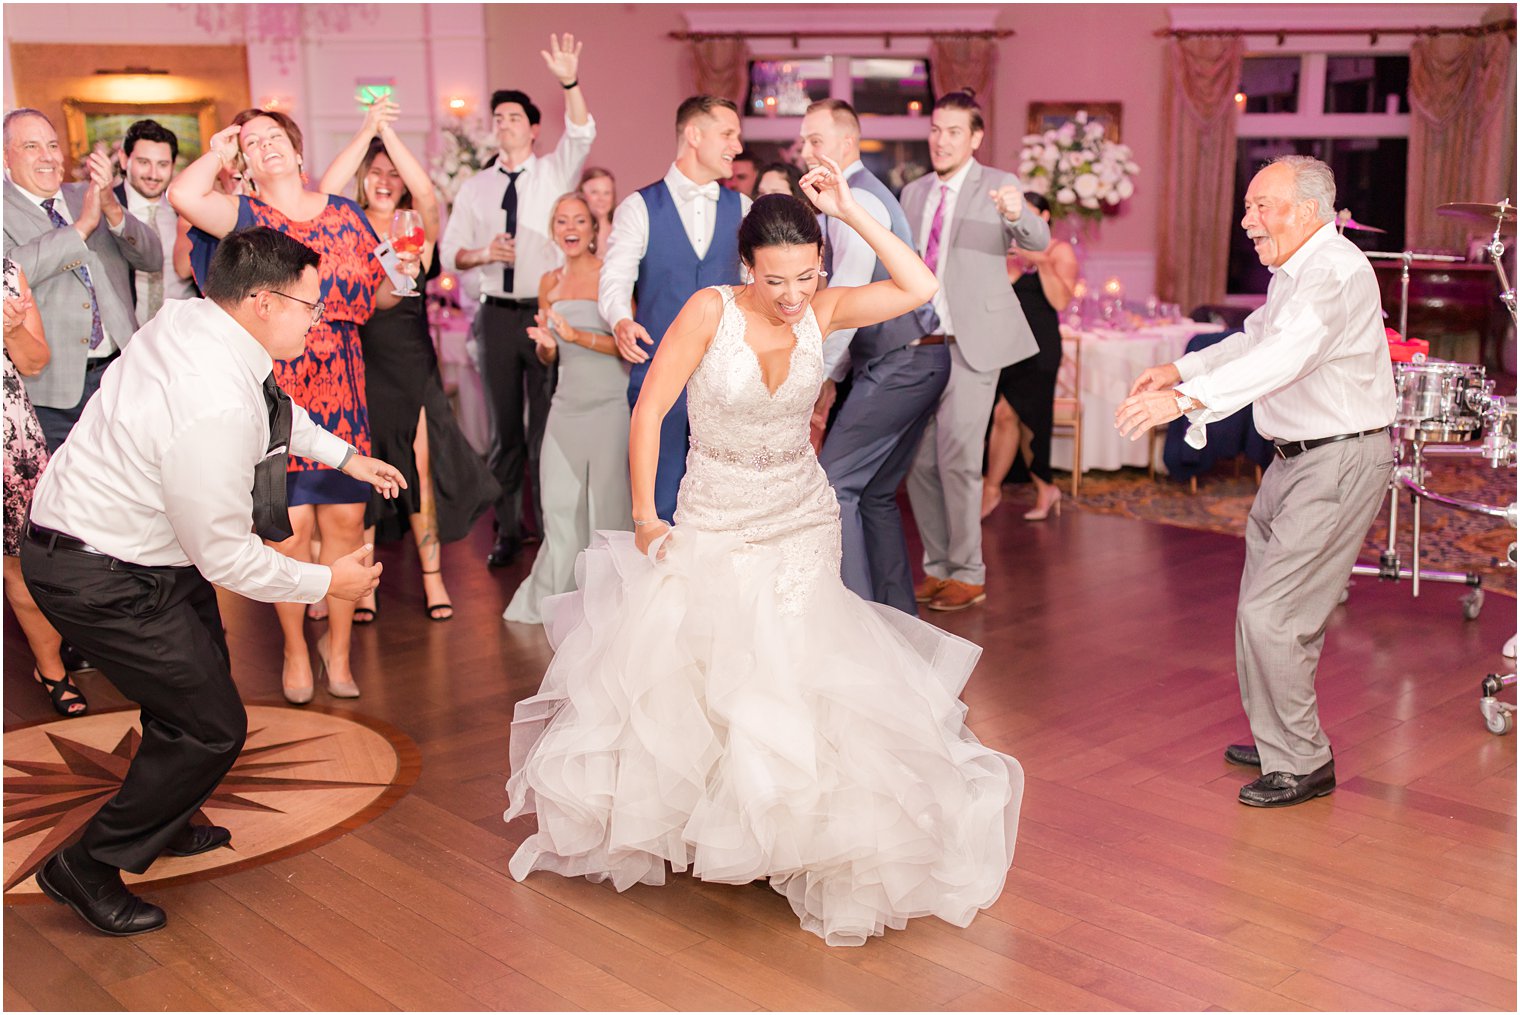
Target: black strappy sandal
(366,615)
(57,689)
(433,608)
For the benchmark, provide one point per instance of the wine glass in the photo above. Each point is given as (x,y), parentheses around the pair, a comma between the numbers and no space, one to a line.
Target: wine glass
(407,238)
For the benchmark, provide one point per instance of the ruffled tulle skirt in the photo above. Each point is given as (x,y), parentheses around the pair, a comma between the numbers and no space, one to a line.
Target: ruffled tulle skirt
(689,720)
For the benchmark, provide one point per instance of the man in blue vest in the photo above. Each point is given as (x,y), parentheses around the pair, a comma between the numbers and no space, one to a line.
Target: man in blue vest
(899,373)
(670,239)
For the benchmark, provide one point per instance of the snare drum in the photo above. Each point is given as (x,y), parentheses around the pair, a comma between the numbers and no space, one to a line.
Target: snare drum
(1439,402)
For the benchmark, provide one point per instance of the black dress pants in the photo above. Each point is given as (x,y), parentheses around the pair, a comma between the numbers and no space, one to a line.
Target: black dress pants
(513,379)
(156,633)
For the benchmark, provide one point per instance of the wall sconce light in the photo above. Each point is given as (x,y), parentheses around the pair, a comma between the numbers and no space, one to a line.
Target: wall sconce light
(282,103)
(915,108)
(458,107)
(1240,98)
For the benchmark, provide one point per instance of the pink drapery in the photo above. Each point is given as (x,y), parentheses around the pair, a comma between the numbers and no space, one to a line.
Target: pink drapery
(721,67)
(1457,147)
(1198,170)
(967,61)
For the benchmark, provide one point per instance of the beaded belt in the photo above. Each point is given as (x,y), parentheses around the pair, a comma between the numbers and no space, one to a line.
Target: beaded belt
(762,458)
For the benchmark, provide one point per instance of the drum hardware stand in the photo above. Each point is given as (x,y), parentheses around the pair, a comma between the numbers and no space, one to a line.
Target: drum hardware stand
(1389,567)
(1496,255)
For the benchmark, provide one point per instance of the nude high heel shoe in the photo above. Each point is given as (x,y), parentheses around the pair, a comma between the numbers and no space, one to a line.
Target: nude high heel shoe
(1039,514)
(337,690)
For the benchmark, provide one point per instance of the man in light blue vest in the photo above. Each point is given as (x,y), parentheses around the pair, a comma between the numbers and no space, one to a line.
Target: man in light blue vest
(670,239)
(899,373)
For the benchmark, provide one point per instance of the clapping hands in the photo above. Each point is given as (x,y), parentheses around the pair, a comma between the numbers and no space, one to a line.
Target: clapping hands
(380,114)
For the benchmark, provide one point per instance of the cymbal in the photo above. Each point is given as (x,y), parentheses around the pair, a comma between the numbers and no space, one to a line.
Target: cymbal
(1476,211)
(1351,223)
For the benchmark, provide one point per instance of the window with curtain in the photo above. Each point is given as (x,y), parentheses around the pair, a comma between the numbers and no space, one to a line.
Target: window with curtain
(891,93)
(1350,110)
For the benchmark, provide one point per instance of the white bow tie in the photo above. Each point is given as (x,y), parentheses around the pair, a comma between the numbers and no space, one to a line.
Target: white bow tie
(691,191)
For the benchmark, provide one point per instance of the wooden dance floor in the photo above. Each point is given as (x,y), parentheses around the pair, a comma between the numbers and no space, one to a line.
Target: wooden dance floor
(1139,882)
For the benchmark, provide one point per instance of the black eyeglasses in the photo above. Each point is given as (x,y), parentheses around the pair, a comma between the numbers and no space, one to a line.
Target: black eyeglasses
(316,308)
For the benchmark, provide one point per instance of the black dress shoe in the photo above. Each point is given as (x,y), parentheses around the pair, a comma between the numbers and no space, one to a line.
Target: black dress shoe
(73,660)
(107,906)
(197,839)
(1284,789)
(1243,754)
(504,553)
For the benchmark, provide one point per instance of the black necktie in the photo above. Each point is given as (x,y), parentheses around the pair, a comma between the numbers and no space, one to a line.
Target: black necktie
(509,205)
(270,518)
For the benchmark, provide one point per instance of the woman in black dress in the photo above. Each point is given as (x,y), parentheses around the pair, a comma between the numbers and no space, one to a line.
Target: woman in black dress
(1021,417)
(411,423)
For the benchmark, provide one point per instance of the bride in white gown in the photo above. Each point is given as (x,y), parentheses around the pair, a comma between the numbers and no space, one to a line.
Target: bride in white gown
(718,700)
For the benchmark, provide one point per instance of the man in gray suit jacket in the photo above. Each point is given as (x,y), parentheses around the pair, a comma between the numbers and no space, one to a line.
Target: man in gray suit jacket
(76,244)
(964,216)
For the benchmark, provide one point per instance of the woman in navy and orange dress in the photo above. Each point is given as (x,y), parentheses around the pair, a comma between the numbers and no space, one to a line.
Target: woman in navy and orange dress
(328,380)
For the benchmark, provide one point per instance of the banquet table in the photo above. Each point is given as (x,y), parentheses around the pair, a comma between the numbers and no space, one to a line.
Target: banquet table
(1111,360)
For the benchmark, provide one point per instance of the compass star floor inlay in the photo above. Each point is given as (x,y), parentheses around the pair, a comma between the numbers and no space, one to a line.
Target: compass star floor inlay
(304,777)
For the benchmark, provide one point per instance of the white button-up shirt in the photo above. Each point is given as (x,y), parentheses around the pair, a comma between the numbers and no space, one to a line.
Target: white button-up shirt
(697,206)
(853,263)
(942,301)
(1313,361)
(61,206)
(477,216)
(159,468)
(167,223)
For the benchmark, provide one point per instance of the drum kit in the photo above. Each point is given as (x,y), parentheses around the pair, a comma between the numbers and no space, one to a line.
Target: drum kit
(1450,409)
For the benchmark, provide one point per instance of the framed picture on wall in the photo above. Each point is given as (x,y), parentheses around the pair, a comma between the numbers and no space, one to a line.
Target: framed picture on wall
(1044,116)
(87,124)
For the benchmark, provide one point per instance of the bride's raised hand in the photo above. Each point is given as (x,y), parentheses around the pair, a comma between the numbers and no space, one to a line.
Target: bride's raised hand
(825,186)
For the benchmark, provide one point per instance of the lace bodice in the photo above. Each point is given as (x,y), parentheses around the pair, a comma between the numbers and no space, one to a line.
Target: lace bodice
(751,470)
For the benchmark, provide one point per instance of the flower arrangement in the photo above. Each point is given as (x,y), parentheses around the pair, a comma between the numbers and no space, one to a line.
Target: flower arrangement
(1077,169)
(465,152)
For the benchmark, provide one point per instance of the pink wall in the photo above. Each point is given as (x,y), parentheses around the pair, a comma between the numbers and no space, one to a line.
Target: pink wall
(635,76)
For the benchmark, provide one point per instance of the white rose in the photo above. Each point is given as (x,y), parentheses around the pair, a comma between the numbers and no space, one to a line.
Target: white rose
(1026,167)
(1125,189)
(1089,202)
(1085,185)
(1066,196)
(1112,197)
(1049,158)
(1040,185)
(1067,133)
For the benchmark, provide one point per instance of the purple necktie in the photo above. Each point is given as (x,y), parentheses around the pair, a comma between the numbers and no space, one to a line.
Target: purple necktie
(97,333)
(931,249)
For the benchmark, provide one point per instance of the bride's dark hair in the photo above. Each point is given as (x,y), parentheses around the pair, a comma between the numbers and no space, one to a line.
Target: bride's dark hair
(778,220)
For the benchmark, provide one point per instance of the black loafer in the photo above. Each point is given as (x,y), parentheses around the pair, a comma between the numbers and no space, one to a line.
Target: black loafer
(73,660)
(1243,754)
(504,553)
(1284,789)
(108,907)
(197,839)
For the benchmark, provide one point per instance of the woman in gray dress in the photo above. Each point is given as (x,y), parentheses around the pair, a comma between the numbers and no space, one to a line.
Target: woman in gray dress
(583,470)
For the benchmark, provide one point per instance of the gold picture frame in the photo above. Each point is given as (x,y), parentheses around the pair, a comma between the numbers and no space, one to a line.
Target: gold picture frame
(86,123)
(1044,116)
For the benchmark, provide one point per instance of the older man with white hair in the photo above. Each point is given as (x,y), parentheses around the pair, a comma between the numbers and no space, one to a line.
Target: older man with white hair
(1314,362)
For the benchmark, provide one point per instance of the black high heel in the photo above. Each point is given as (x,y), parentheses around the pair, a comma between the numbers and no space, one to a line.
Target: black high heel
(57,689)
(433,608)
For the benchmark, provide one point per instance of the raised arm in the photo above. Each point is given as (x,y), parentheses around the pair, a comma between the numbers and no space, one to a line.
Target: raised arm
(911,284)
(193,193)
(348,161)
(680,351)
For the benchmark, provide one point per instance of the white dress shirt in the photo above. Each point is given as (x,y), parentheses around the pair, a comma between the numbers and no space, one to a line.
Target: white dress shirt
(61,206)
(696,204)
(167,223)
(854,262)
(1312,361)
(477,216)
(941,301)
(159,468)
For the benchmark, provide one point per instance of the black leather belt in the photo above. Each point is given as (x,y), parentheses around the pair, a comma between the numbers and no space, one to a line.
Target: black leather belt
(51,538)
(934,340)
(511,304)
(1292,449)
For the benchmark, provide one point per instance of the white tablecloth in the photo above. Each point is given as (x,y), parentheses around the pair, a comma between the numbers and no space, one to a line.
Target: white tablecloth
(1111,360)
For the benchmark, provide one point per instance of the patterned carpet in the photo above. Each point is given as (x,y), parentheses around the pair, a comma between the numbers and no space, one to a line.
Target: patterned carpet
(1450,540)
